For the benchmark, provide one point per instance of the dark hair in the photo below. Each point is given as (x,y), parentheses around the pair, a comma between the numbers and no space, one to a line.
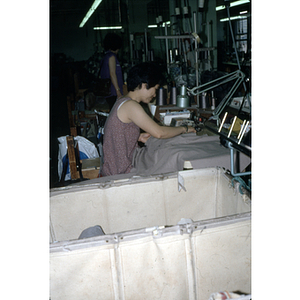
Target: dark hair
(146,72)
(112,41)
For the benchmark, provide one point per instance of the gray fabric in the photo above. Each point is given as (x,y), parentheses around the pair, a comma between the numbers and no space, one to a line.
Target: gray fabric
(168,155)
(91,231)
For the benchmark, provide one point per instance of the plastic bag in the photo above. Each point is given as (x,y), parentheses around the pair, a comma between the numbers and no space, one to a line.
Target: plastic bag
(86,150)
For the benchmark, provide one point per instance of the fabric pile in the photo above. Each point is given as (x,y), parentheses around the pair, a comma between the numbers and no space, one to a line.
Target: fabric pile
(168,155)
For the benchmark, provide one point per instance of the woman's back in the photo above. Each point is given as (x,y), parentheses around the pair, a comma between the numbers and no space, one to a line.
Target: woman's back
(119,142)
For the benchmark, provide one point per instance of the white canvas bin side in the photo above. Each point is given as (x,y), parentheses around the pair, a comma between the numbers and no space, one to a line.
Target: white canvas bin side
(179,262)
(142,203)
(223,259)
(115,209)
(86,273)
(161,260)
(229,200)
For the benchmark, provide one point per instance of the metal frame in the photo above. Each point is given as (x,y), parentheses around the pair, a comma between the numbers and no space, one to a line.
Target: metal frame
(238,76)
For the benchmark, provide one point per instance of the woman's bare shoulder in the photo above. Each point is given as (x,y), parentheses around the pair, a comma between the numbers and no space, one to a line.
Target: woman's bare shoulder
(128,109)
(132,104)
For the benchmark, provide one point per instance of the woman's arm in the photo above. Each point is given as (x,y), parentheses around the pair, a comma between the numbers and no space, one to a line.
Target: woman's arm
(113,76)
(131,111)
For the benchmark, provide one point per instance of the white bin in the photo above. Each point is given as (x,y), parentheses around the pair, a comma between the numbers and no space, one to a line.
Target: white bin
(145,254)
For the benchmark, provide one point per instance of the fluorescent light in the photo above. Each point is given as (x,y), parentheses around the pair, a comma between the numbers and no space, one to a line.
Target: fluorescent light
(109,27)
(90,12)
(243,12)
(233,18)
(236,3)
(164,24)
(240,2)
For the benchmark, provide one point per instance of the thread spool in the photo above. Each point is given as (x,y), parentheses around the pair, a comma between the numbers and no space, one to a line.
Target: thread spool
(203,100)
(171,55)
(177,11)
(173,95)
(201,3)
(176,55)
(213,103)
(161,96)
(151,55)
(187,165)
(182,100)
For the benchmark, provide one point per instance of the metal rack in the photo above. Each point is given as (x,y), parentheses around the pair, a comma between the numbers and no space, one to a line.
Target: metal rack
(233,143)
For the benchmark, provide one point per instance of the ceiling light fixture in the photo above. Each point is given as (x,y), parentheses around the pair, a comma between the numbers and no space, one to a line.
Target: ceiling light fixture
(108,27)
(236,3)
(233,18)
(90,12)
(164,24)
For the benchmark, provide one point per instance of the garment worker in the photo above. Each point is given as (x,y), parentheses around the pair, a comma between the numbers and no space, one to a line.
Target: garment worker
(111,68)
(122,130)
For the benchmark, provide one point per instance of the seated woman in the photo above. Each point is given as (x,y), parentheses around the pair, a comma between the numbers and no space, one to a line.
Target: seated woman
(127,118)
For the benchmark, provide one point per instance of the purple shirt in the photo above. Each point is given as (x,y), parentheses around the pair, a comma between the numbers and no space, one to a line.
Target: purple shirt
(104,72)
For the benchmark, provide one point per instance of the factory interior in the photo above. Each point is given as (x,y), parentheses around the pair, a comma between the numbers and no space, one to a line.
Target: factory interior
(54,61)
(203,48)
(204,51)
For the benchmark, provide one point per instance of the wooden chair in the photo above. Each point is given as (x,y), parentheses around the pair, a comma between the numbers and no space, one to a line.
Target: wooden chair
(80,169)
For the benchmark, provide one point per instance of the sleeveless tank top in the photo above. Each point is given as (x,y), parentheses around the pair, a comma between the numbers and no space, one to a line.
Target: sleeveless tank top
(119,142)
(104,72)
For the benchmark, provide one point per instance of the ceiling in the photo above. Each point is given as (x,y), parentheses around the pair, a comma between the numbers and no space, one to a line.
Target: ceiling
(69,6)
(110,8)
(78,8)
(81,6)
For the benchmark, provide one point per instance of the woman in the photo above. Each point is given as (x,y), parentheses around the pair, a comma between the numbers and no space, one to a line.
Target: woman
(122,127)
(110,67)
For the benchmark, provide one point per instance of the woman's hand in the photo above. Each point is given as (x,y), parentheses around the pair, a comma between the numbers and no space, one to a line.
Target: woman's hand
(144,137)
(119,94)
(191,129)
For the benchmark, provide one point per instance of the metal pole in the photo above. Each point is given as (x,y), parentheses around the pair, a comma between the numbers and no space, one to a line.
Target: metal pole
(146,44)
(232,162)
(208,45)
(196,58)
(131,50)
(234,44)
(167,49)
